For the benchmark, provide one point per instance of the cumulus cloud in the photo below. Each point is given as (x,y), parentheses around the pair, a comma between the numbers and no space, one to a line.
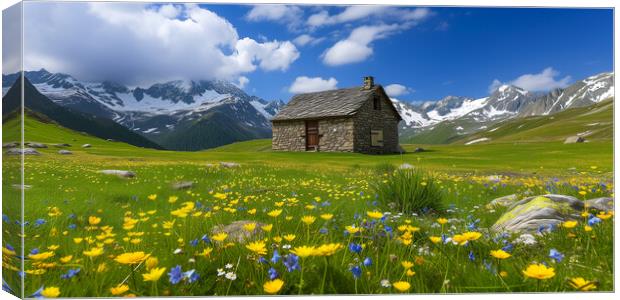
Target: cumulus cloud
(242,82)
(358,12)
(133,43)
(11,39)
(290,15)
(306,39)
(395,90)
(304,84)
(546,80)
(356,47)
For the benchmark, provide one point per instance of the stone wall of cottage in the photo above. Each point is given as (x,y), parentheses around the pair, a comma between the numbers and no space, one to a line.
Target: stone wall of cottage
(288,136)
(368,119)
(335,135)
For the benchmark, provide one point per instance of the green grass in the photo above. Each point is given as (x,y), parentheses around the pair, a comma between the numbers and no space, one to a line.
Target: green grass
(300,184)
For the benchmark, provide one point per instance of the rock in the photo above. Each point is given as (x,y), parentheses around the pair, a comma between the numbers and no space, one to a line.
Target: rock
(182,185)
(574,139)
(64,152)
(237,233)
(62,145)
(601,204)
(86,146)
(21,187)
(119,173)
(110,140)
(24,151)
(405,166)
(417,150)
(36,145)
(503,201)
(532,213)
(10,145)
(224,164)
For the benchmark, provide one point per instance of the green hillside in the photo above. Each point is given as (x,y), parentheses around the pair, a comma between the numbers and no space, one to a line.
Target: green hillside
(594,122)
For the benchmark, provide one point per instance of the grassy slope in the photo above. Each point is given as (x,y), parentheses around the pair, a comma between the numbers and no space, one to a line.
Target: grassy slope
(524,157)
(597,119)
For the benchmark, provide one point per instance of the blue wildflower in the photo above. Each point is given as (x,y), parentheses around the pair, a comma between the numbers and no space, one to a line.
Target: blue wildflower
(5,218)
(70,273)
(276,257)
(367,262)
(6,287)
(205,239)
(471,256)
(262,260)
(355,248)
(273,274)
(37,293)
(72,226)
(508,247)
(356,271)
(194,242)
(323,230)
(594,220)
(556,255)
(34,251)
(291,262)
(176,275)
(191,276)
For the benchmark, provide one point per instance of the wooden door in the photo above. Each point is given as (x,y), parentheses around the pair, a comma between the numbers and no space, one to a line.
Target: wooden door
(312,135)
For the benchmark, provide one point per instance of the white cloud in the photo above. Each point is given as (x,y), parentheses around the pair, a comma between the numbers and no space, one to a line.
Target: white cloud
(133,43)
(304,84)
(356,47)
(290,15)
(306,39)
(242,82)
(543,81)
(358,12)
(11,39)
(395,90)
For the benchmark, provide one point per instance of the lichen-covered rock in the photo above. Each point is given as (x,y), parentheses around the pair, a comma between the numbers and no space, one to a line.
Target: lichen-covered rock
(236,231)
(503,201)
(224,164)
(602,204)
(10,145)
(574,139)
(532,213)
(64,152)
(181,185)
(20,151)
(119,173)
(36,145)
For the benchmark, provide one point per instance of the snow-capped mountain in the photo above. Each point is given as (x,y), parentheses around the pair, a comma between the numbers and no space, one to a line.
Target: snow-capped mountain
(506,101)
(161,109)
(464,115)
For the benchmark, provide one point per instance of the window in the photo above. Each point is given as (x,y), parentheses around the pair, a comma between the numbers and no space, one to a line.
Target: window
(376,103)
(376,138)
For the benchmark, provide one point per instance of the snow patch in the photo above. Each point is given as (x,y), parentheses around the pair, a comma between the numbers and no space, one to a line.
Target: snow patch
(477,141)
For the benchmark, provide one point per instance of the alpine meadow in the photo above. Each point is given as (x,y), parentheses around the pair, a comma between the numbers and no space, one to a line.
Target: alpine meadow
(162,175)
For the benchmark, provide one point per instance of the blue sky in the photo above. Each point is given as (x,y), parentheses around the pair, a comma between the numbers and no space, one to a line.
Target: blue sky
(275,51)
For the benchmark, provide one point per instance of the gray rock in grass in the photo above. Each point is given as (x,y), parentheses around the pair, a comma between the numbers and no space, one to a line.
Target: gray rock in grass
(237,233)
(64,152)
(119,173)
(20,151)
(181,185)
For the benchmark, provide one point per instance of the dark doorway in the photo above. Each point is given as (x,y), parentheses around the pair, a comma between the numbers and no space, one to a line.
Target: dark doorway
(312,135)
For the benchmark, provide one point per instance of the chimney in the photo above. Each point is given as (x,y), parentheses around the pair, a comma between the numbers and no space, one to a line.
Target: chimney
(369,82)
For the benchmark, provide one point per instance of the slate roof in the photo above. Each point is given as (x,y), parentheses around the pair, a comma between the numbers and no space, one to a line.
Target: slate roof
(332,103)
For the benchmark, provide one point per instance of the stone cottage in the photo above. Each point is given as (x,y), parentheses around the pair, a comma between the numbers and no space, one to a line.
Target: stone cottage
(359,119)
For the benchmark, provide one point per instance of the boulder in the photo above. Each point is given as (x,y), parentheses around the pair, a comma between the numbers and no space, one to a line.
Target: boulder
(62,145)
(64,152)
(181,185)
(20,151)
(224,164)
(418,150)
(86,146)
(405,166)
(110,140)
(574,139)
(504,201)
(119,173)
(36,145)
(21,187)
(237,233)
(533,213)
(601,204)
(10,145)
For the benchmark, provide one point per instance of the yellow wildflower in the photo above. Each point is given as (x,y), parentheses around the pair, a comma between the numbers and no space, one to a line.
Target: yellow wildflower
(569,224)
(154,274)
(273,286)
(581,284)
(220,236)
(308,219)
(50,292)
(539,271)
(304,251)
(500,254)
(119,289)
(257,247)
(374,214)
(401,286)
(131,258)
